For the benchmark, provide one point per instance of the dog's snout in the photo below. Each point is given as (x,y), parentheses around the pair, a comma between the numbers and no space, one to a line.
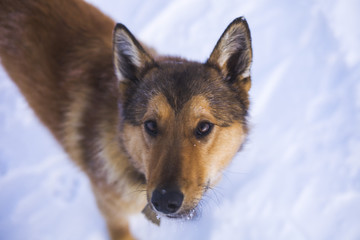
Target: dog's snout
(167,201)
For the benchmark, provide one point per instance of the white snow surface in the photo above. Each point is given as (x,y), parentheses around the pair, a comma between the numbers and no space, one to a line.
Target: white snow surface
(298,176)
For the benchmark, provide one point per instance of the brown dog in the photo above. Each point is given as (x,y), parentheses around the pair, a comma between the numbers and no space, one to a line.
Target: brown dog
(129,119)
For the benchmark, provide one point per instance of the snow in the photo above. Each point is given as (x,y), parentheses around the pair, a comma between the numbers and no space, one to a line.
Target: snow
(298,177)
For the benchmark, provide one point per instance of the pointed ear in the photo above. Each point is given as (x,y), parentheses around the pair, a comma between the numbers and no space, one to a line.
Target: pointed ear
(233,53)
(130,58)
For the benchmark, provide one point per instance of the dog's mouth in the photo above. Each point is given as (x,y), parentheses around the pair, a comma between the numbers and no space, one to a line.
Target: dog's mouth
(183,215)
(186,215)
(154,216)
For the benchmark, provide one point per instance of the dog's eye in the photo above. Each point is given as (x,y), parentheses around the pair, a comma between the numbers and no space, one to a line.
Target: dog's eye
(203,129)
(151,127)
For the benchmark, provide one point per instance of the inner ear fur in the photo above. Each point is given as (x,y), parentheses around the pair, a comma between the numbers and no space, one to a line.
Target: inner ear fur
(233,53)
(130,58)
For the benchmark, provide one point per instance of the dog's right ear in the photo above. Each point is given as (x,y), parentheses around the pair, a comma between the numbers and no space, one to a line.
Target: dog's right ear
(130,58)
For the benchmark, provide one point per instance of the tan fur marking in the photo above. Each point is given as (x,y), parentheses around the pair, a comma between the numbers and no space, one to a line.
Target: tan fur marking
(134,142)
(223,149)
(159,108)
(137,141)
(203,162)
(197,109)
(73,121)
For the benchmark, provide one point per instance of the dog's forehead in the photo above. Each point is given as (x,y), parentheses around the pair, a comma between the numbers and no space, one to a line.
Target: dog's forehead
(184,74)
(179,81)
(182,84)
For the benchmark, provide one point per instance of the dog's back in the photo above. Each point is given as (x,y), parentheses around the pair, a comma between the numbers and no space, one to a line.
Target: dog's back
(46,45)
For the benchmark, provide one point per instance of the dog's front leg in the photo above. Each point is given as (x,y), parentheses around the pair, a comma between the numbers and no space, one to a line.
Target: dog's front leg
(116,219)
(116,211)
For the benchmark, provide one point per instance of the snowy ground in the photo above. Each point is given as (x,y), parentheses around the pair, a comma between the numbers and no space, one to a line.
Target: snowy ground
(297,178)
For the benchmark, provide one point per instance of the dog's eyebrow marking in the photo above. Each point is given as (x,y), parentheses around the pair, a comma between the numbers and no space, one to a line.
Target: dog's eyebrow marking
(158,107)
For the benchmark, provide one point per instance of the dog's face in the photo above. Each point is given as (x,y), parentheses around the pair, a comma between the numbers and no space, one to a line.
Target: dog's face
(183,121)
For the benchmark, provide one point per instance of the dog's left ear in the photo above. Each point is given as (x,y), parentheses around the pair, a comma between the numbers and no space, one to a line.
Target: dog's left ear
(233,53)
(130,58)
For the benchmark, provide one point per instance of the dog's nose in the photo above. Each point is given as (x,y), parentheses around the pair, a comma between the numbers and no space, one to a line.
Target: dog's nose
(167,200)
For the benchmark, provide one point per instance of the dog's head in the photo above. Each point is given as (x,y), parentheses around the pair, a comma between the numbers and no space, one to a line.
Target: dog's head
(183,121)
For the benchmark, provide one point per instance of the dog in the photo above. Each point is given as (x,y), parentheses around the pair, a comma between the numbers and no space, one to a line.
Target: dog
(151,132)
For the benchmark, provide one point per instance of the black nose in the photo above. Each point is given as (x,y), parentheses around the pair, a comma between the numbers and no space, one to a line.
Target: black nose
(167,200)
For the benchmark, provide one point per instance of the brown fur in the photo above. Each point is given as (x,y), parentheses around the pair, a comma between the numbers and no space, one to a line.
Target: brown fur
(61,54)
